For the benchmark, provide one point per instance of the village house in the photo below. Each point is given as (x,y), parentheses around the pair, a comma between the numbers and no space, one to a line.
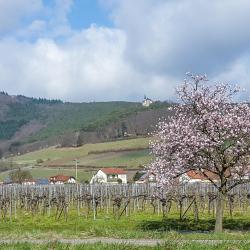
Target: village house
(7,181)
(147,177)
(62,179)
(146,102)
(109,175)
(43,181)
(193,176)
(28,182)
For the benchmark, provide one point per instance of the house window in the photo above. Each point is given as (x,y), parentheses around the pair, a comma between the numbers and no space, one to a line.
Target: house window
(112,176)
(151,178)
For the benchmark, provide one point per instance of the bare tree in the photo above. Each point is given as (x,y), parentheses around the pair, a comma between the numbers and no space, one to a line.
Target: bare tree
(19,175)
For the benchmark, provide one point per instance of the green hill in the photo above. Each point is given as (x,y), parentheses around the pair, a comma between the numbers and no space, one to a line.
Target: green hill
(28,124)
(131,155)
(64,156)
(58,117)
(46,136)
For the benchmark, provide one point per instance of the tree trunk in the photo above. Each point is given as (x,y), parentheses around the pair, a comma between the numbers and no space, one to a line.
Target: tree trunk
(219,213)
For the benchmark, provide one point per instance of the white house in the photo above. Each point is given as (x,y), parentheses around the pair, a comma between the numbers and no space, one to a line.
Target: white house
(146,102)
(109,175)
(28,182)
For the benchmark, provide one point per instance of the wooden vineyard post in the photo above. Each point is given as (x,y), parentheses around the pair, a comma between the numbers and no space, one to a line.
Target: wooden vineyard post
(196,211)
(78,201)
(108,201)
(15,200)
(49,200)
(101,200)
(11,205)
(158,206)
(230,204)
(127,206)
(93,204)
(181,206)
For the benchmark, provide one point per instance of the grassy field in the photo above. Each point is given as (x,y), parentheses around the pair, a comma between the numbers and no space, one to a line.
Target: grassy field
(139,225)
(60,246)
(131,154)
(69,154)
(28,226)
(99,246)
(126,159)
(142,224)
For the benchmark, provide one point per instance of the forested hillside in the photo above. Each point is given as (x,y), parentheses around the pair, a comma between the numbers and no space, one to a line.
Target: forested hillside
(58,117)
(41,122)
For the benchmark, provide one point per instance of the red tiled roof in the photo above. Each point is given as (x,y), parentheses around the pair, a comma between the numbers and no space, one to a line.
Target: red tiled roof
(113,171)
(192,174)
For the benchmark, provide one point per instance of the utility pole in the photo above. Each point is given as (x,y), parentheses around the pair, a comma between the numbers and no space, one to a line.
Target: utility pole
(76,162)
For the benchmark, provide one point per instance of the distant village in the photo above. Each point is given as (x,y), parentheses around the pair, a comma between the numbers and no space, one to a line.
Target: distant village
(110,176)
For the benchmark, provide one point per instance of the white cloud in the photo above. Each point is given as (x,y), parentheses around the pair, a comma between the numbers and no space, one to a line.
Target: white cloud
(12,11)
(148,51)
(58,24)
(175,36)
(238,73)
(36,28)
(88,66)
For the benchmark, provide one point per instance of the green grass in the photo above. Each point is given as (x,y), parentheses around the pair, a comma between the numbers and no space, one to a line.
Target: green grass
(66,154)
(28,226)
(60,246)
(137,225)
(100,246)
(126,159)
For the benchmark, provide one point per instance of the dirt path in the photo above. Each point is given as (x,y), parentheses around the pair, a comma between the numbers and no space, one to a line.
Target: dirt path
(138,242)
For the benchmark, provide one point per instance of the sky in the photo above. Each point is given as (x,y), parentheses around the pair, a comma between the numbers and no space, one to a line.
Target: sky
(106,50)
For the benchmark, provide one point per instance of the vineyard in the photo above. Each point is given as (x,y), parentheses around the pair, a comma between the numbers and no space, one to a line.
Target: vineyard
(94,201)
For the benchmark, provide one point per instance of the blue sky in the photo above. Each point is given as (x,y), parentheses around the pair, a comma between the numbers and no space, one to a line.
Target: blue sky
(86,12)
(85,50)
(83,13)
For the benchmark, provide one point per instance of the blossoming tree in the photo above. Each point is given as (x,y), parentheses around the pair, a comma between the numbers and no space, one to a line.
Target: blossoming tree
(208,133)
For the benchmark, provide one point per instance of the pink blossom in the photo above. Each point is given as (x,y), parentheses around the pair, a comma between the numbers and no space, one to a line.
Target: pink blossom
(207,133)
